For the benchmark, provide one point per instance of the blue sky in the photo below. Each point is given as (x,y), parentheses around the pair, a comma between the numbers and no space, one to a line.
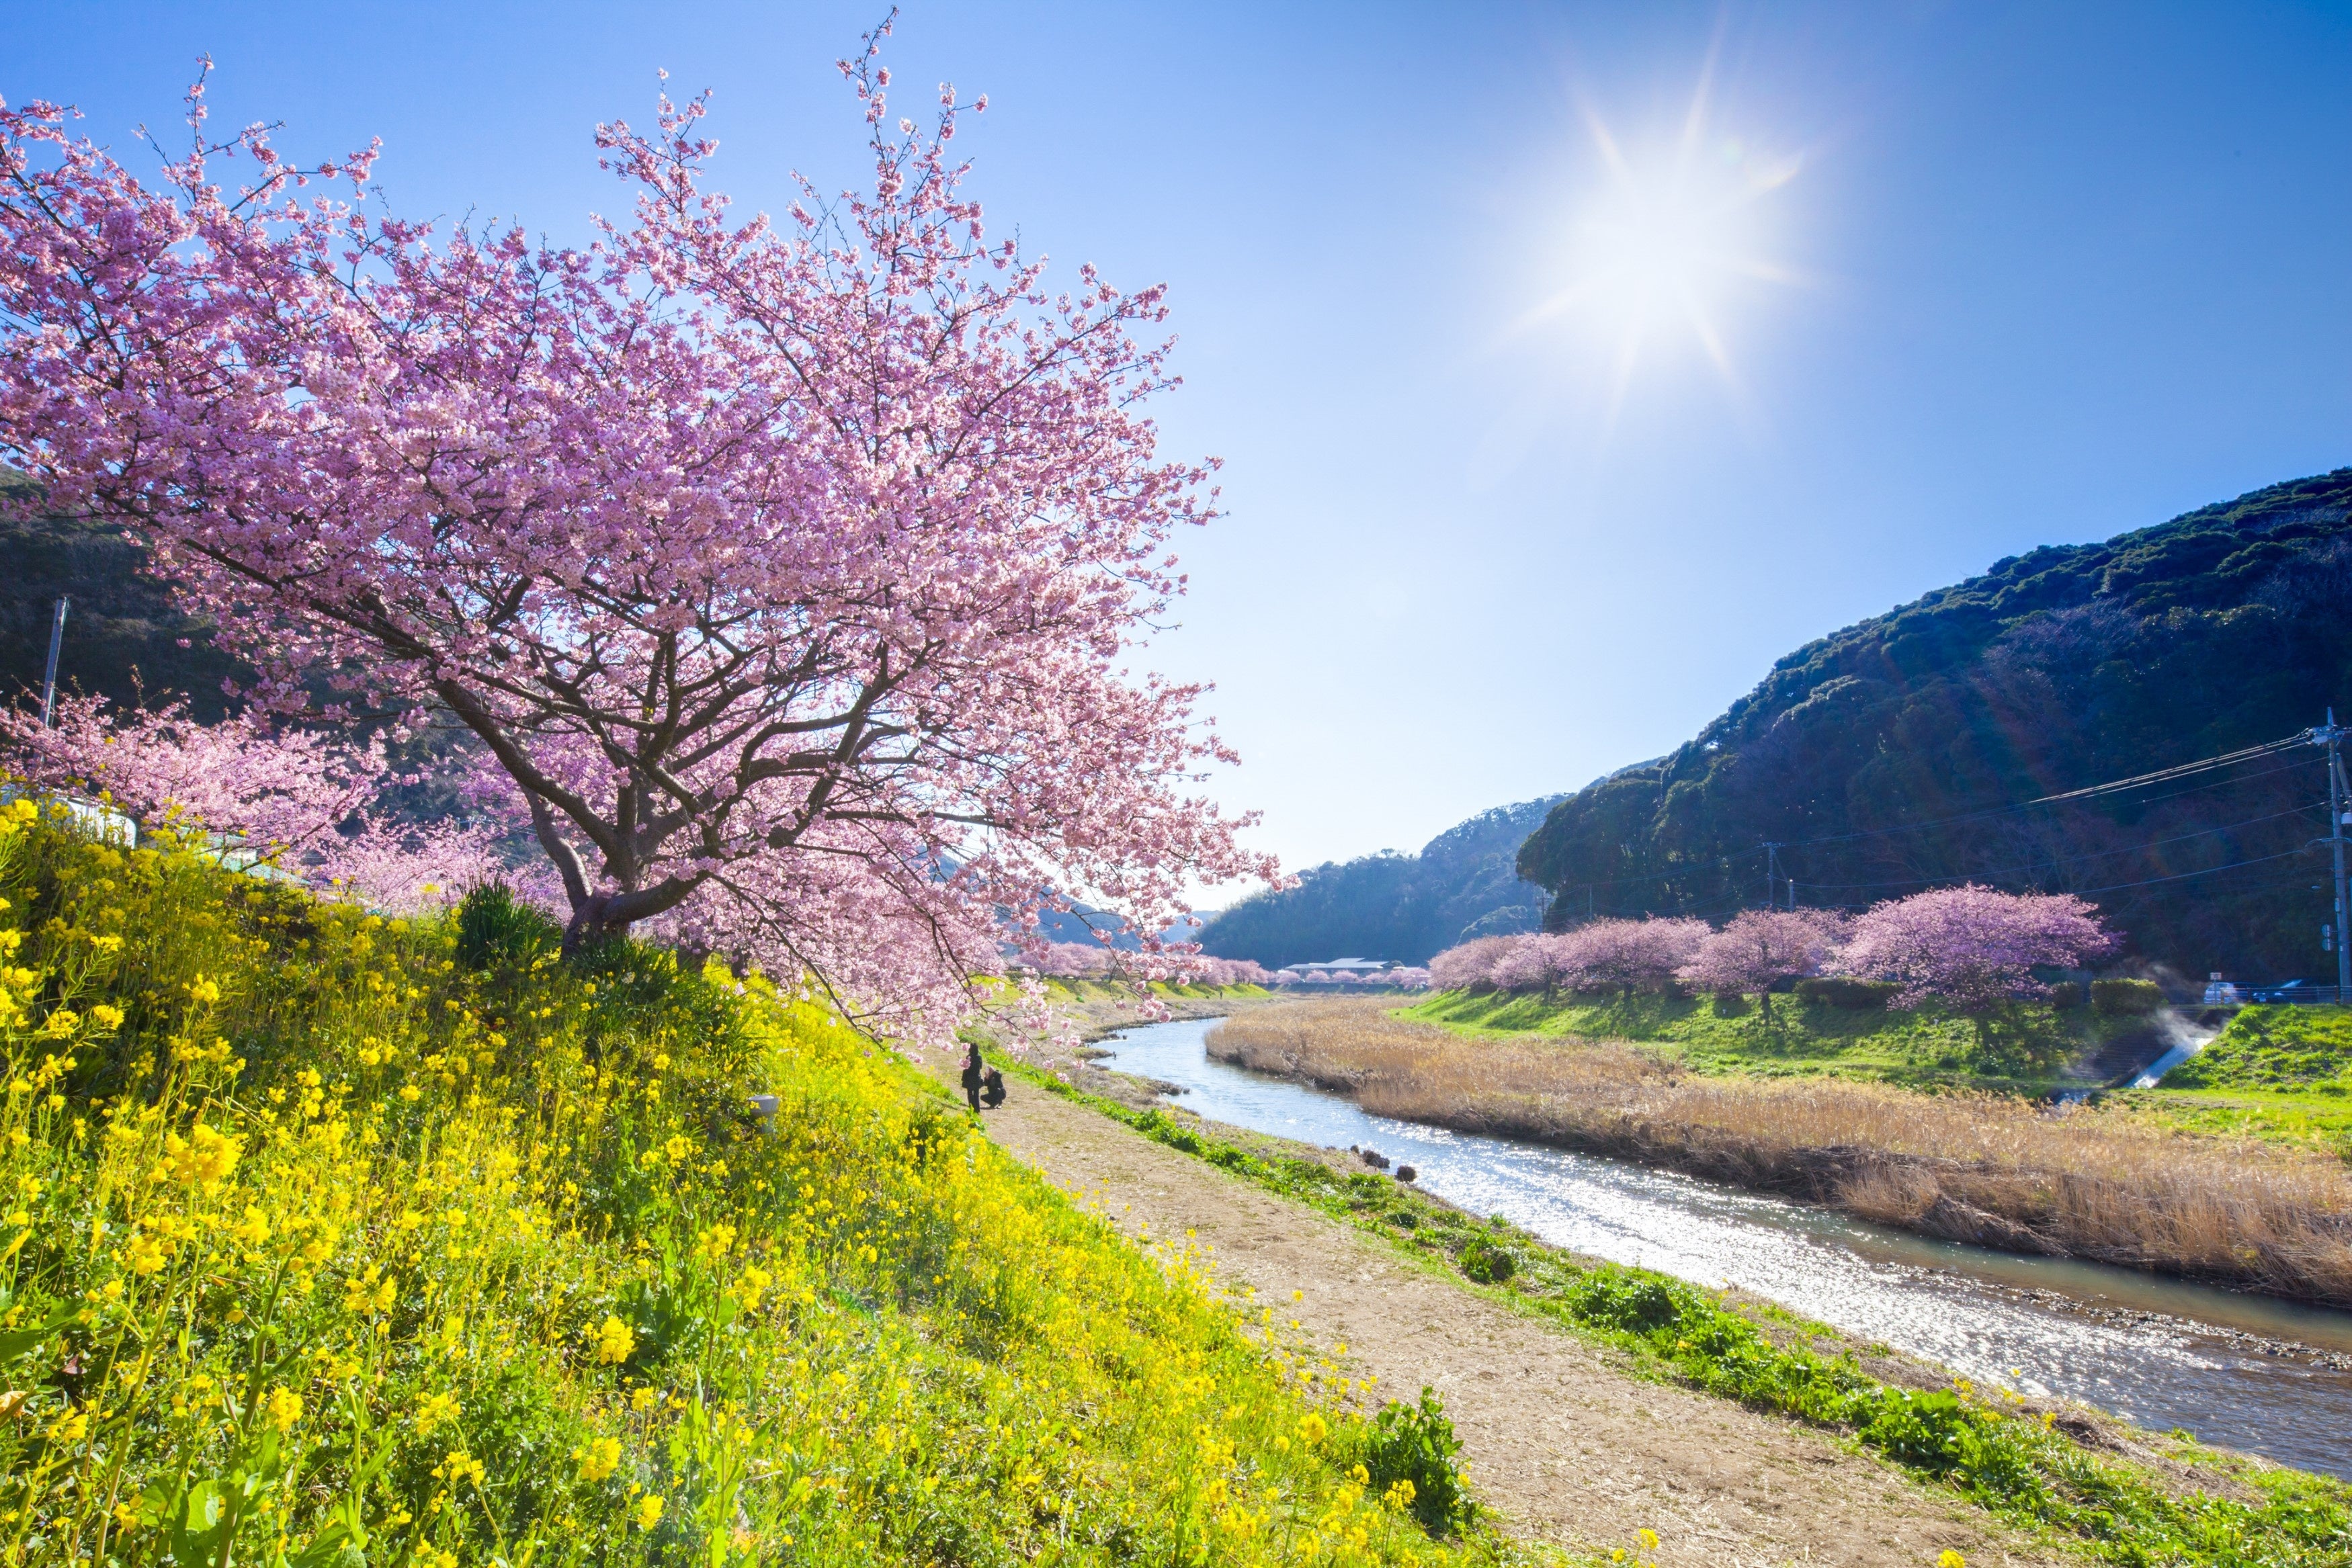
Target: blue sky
(1918,287)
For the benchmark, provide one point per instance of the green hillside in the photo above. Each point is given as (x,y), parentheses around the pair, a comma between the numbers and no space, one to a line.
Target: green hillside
(336,1239)
(1463,883)
(1886,755)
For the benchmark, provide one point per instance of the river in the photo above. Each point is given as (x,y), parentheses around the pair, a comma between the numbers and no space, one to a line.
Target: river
(2159,1352)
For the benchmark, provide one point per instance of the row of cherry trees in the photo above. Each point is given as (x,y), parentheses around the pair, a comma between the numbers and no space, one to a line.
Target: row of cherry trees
(1969,948)
(1405,978)
(1094,961)
(787,572)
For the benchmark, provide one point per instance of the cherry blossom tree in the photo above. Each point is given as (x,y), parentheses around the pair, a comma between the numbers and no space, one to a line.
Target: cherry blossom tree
(787,571)
(1470,963)
(1972,947)
(1533,963)
(1759,948)
(1628,955)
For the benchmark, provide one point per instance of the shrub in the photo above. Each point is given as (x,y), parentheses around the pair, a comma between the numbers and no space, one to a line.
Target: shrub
(1839,992)
(1488,1261)
(496,930)
(1410,1453)
(2126,997)
(1637,1303)
(1925,1431)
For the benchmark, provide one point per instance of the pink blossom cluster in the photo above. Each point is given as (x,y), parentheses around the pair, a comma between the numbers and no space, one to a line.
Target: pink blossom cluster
(789,570)
(1602,954)
(1972,948)
(1208,970)
(1966,947)
(305,797)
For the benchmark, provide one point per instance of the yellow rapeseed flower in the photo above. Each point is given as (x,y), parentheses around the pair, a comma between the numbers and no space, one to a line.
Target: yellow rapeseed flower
(204,1157)
(1950,1558)
(751,1287)
(599,1459)
(649,1511)
(1313,1428)
(437,1410)
(284,1408)
(614,1342)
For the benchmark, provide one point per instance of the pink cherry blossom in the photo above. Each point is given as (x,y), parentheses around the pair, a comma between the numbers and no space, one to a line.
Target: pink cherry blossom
(1972,947)
(308,800)
(1759,948)
(788,569)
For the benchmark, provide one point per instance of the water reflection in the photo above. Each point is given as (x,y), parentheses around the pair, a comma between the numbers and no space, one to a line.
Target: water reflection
(1962,1306)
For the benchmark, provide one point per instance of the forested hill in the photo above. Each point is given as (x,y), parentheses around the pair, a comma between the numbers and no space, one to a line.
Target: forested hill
(1894,754)
(1463,883)
(123,634)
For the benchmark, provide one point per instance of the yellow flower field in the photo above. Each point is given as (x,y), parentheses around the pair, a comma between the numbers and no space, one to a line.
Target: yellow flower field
(328,1240)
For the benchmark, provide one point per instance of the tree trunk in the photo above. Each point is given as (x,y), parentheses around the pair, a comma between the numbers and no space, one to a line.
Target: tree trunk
(589,928)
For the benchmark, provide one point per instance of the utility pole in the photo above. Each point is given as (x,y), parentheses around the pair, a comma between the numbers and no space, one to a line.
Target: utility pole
(2332,738)
(1772,875)
(50,681)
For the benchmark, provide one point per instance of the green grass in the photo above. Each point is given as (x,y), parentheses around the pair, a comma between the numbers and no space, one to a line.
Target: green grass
(2281,1074)
(2019,1469)
(2019,1049)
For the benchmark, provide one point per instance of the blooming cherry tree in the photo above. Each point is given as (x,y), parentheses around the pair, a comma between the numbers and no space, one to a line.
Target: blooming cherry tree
(1470,963)
(786,569)
(1972,947)
(1759,948)
(1630,955)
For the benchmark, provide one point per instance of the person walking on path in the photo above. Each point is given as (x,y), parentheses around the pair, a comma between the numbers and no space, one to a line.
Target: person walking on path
(972,1076)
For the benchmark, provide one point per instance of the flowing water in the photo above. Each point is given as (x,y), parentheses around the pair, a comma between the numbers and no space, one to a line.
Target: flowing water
(2159,1352)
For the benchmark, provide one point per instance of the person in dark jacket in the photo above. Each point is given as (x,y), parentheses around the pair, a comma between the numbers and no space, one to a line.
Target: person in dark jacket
(991,1089)
(972,1076)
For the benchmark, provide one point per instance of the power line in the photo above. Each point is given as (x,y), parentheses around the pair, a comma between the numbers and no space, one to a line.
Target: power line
(1735,858)
(2088,855)
(2089,791)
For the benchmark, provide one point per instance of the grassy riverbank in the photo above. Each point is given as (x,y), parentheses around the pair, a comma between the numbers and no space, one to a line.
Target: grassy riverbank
(332,1240)
(2026,1048)
(2282,1074)
(2116,1497)
(1991,1169)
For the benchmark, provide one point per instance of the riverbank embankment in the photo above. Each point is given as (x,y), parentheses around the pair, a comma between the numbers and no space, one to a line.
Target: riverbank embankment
(1573,1441)
(1987,1169)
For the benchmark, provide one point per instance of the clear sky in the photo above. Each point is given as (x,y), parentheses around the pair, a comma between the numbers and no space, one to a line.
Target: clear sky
(1570,363)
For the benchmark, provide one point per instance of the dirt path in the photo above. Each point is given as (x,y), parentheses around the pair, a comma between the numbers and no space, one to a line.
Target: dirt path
(1561,1439)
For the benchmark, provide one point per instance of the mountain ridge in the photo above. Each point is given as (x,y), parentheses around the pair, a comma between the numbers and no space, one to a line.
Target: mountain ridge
(2228,626)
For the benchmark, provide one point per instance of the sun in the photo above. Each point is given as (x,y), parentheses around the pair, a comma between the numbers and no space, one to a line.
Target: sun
(1663,245)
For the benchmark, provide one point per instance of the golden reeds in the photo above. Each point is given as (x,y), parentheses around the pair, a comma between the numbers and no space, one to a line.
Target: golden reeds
(1977,1168)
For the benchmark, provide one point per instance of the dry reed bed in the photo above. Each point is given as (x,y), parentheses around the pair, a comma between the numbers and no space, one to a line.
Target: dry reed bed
(1986,1168)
